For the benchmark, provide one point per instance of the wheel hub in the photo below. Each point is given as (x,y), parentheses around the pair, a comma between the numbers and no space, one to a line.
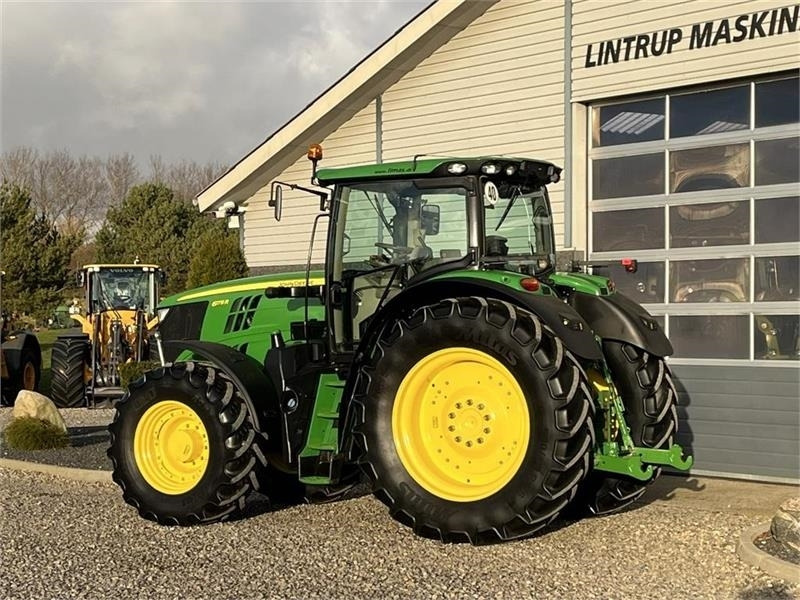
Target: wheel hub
(460,424)
(171,447)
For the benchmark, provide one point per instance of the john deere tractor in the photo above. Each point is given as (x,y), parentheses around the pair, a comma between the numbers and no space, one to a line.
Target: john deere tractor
(119,311)
(439,351)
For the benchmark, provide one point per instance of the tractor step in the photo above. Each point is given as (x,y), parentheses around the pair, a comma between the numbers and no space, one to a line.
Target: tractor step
(319,463)
(639,463)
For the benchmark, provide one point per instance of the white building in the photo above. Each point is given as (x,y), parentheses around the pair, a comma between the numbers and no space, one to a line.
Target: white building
(677,123)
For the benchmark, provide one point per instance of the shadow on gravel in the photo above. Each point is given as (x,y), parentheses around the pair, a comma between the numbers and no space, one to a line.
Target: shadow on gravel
(664,488)
(85,436)
(775,592)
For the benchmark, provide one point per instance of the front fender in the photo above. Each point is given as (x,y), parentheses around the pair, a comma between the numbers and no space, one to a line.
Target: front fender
(254,385)
(617,317)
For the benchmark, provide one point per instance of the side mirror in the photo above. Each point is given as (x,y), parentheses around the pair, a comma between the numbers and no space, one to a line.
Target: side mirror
(162,278)
(430,219)
(80,278)
(276,200)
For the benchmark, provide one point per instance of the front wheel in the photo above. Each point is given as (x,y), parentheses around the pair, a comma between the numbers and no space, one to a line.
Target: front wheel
(473,421)
(183,446)
(68,371)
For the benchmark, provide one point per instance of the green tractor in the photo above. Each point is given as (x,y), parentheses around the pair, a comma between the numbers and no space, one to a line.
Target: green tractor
(439,352)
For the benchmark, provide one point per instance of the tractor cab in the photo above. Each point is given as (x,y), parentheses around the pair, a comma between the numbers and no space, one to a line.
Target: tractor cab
(397,225)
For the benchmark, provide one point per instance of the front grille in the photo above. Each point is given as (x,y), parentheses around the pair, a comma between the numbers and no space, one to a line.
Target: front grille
(183,322)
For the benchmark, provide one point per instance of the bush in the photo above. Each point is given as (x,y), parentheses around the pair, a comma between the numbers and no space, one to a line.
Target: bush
(28,433)
(132,371)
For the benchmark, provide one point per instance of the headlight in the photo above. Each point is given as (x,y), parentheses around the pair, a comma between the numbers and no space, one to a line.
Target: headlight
(510,170)
(162,314)
(456,168)
(490,169)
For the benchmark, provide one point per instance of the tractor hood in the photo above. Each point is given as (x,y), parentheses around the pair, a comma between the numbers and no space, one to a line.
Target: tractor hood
(234,286)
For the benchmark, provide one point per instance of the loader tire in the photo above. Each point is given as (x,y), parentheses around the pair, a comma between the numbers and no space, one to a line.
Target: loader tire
(473,421)
(183,446)
(645,384)
(67,383)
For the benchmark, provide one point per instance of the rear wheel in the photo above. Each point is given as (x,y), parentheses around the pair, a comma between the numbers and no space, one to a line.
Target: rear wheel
(473,421)
(68,364)
(183,446)
(645,384)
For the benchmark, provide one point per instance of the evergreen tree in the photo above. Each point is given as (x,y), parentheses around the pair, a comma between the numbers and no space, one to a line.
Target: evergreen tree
(216,257)
(34,255)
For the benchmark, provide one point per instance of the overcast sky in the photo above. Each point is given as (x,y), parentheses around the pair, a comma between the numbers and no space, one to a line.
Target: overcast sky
(198,81)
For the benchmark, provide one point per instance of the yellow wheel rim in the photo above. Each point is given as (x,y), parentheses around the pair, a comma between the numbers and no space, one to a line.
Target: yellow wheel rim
(460,424)
(171,447)
(29,376)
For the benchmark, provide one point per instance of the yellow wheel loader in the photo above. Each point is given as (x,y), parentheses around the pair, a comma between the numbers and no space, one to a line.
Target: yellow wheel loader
(119,312)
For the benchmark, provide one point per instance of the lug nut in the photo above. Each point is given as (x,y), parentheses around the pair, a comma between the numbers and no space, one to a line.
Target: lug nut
(451,428)
(452,415)
(481,406)
(458,438)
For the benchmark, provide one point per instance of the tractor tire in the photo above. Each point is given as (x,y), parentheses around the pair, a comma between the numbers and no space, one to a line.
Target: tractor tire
(473,421)
(67,364)
(183,446)
(645,384)
(27,377)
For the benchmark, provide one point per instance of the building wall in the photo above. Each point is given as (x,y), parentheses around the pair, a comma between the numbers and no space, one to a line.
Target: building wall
(280,244)
(596,21)
(495,88)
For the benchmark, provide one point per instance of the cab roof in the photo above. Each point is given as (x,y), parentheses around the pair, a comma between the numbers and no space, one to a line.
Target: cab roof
(542,171)
(143,267)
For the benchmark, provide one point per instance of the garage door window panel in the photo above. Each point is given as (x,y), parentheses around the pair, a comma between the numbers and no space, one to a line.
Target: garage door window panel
(777,220)
(629,229)
(716,280)
(778,102)
(778,161)
(707,336)
(628,123)
(710,224)
(777,278)
(711,168)
(710,111)
(641,175)
(776,337)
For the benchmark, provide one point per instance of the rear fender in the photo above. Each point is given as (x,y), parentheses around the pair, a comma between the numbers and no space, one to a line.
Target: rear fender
(575,333)
(256,388)
(617,317)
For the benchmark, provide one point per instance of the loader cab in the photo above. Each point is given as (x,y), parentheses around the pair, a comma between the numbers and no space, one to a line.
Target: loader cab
(121,287)
(395,225)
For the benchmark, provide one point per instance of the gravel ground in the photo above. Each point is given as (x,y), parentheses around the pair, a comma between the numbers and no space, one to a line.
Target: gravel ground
(88,436)
(63,539)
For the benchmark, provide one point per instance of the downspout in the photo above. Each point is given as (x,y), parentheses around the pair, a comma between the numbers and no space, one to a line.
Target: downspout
(379,129)
(568,123)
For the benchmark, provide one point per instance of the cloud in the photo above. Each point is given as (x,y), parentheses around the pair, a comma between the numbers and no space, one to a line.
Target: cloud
(197,81)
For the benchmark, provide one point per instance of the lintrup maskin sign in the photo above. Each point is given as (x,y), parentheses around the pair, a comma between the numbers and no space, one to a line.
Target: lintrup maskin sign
(702,35)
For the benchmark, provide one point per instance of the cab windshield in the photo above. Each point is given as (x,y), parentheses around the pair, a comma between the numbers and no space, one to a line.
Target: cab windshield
(121,288)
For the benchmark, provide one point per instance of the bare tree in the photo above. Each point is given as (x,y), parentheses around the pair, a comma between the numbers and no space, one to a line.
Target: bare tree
(121,174)
(185,178)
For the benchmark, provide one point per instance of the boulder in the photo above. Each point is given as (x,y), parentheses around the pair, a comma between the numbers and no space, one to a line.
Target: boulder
(38,406)
(785,526)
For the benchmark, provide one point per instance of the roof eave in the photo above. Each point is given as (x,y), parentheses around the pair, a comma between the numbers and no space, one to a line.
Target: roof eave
(372,76)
